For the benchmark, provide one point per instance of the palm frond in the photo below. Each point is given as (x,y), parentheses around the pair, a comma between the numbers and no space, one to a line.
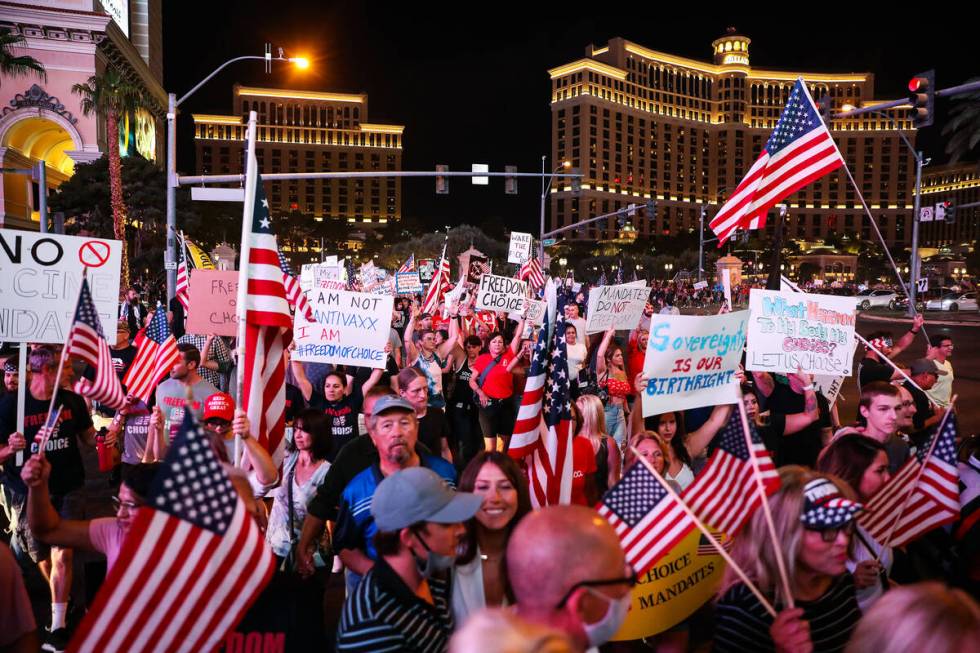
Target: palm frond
(12,66)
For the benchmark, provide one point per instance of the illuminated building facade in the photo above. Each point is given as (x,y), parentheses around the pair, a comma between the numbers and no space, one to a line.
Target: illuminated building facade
(643,124)
(959,184)
(42,120)
(306,131)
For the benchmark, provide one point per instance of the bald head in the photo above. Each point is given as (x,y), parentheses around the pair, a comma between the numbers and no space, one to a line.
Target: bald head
(553,549)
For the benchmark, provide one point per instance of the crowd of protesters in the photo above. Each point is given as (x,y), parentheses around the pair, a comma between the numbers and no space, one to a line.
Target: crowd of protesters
(397,494)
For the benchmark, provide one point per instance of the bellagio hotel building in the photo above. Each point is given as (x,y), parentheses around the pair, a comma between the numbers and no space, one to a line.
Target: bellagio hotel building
(644,124)
(308,131)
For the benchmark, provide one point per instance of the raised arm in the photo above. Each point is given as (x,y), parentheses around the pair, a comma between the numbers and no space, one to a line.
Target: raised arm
(265,468)
(302,382)
(600,356)
(446,347)
(907,339)
(409,339)
(698,440)
(811,409)
(764,382)
(515,342)
(45,522)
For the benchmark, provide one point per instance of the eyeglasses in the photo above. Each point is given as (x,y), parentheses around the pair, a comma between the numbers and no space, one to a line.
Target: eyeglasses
(118,503)
(829,535)
(630,580)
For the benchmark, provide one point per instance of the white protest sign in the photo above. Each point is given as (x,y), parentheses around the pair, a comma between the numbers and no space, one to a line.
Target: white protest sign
(535,312)
(306,276)
(331,261)
(408,283)
(349,328)
(520,247)
(700,284)
(691,361)
(39,279)
(830,386)
(500,294)
(789,331)
(619,306)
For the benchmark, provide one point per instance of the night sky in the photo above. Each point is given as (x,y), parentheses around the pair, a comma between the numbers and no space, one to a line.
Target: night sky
(474,88)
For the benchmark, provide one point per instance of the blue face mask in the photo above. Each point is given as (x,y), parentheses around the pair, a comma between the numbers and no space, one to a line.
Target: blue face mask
(434,563)
(606,628)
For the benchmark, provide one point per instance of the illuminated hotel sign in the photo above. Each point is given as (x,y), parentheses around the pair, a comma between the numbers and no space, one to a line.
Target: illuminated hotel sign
(732,58)
(119,11)
(137,135)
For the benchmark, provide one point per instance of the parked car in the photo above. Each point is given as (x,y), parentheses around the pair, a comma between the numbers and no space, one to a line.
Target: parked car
(954,301)
(876,299)
(902,303)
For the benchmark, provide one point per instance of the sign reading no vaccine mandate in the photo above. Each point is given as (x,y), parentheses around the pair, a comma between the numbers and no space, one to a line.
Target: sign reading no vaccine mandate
(673,589)
(39,279)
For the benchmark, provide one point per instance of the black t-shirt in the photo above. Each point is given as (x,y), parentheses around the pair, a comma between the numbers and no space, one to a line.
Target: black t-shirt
(923,411)
(870,370)
(67,471)
(343,416)
(294,402)
(803,447)
(433,428)
(462,396)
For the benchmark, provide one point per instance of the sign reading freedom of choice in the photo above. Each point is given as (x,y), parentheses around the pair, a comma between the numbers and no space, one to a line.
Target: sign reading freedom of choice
(691,361)
(788,330)
(501,294)
(213,298)
(39,279)
(349,328)
(620,306)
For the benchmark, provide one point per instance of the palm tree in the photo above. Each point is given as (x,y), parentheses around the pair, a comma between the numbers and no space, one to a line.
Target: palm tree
(964,125)
(11,66)
(112,95)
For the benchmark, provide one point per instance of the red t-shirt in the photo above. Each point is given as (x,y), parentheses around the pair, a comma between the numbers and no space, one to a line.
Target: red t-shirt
(583,465)
(634,362)
(498,384)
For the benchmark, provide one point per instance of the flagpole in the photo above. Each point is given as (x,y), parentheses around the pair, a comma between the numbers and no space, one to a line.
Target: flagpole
(777,551)
(251,178)
(708,534)
(918,477)
(21,396)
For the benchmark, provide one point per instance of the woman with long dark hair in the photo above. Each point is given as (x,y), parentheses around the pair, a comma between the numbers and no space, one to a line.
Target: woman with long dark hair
(480,574)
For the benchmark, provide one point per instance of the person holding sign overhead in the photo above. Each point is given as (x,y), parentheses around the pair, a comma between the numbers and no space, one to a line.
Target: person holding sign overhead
(611,370)
(493,384)
(429,356)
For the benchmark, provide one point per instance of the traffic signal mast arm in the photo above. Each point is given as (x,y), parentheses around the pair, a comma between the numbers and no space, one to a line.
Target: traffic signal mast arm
(623,211)
(188,180)
(946,92)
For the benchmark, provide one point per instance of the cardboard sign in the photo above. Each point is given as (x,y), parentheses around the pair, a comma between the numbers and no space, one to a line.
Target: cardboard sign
(408,283)
(536,309)
(39,279)
(673,589)
(830,386)
(213,302)
(326,273)
(349,328)
(619,306)
(520,247)
(501,294)
(788,330)
(691,361)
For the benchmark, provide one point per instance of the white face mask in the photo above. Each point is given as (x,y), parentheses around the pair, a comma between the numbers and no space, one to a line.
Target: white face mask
(603,630)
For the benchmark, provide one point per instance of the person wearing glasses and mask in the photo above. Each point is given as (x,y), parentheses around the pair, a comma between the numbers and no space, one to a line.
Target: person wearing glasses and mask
(404,601)
(567,571)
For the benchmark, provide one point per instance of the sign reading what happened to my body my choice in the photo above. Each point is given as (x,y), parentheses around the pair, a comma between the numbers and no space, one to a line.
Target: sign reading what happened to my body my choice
(691,361)
(501,294)
(39,279)
(349,328)
(213,299)
(619,306)
(789,330)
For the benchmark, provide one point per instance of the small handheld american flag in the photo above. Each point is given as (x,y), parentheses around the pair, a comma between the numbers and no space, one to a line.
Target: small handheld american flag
(155,356)
(87,341)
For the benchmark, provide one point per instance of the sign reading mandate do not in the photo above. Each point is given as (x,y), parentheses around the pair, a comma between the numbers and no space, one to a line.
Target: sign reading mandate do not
(620,306)
(501,294)
(349,328)
(39,279)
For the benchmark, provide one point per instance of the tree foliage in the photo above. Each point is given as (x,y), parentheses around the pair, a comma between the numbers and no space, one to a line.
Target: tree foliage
(14,66)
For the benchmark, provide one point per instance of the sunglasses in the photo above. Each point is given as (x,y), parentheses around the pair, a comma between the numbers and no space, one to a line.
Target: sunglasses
(118,503)
(829,535)
(630,580)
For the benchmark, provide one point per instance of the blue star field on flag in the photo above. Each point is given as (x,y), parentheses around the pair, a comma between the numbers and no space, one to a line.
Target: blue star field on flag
(635,495)
(797,119)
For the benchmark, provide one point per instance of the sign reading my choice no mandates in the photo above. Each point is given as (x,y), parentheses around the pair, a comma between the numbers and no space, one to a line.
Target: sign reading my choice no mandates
(501,294)
(620,307)
(789,330)
(349,328)
(39,279)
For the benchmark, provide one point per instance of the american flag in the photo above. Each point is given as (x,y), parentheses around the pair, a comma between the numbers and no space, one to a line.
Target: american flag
(351,272)
(648,521)
(602,279)
(531,272)
(87,341)
(438,285)
(294,294)
(183,276)
(547,452)
(193,562)
(922,495)
(408,265)
(619,273)
(799,150)
(268,326)
(155,355)
(724,495)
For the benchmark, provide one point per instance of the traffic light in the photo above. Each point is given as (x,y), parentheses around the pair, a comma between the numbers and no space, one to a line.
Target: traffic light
(922,97)
(576,181)
(510,183)
(950,211)
(442,183)
(651,208)
(824,108)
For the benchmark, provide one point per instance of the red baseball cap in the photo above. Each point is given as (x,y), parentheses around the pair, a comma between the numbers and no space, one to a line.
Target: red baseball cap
(219,405)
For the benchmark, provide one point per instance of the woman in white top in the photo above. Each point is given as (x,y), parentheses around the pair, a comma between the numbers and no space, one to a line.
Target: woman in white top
(578,352)
(480,574)
(863,463)
(304,469)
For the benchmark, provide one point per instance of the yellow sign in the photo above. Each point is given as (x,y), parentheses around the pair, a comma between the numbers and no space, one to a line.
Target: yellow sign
(673,588)
(199,257)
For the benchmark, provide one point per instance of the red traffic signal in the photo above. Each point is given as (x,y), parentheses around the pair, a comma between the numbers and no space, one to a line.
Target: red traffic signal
(918,84)
(922,97)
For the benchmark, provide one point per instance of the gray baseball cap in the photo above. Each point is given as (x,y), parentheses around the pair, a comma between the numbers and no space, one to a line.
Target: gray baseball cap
(391,402)
(419,494)
(926,366)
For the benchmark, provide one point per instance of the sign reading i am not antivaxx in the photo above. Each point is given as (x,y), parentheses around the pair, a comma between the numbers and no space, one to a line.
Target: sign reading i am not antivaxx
(349,328)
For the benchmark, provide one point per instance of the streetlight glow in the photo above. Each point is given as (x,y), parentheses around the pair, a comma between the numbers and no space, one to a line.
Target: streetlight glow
(300,62)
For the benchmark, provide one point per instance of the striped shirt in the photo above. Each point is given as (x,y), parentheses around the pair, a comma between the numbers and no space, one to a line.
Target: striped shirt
(383,614)
(742,624)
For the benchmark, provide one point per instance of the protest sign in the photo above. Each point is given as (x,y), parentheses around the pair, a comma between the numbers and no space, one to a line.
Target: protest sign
(620,307)
(700,285)
(501,294)
(212,305)
(520,247)
(408,283)
(322,274)
(427,269)
(39,279)
(306,276)
(673,589)
(349,328)
(830,386)
(691,361)
(331,261)
(479,265)
(789,331)
(535,312)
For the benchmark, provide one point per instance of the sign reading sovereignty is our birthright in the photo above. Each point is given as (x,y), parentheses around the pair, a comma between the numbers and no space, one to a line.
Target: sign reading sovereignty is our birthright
(349,328)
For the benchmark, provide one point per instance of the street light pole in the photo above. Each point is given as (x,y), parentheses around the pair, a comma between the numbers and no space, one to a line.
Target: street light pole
(701,245)
(914,263)
(544,193)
